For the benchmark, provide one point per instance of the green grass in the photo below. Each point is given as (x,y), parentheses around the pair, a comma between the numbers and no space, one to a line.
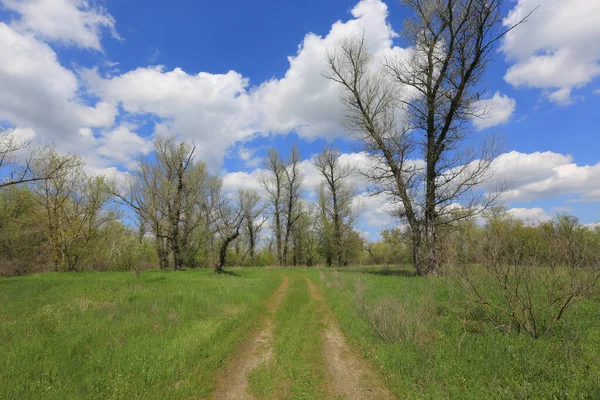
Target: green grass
(111,335)
(297,369)
(424,361)
(165,336)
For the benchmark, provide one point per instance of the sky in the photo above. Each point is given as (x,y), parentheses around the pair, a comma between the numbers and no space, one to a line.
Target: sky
(103,78)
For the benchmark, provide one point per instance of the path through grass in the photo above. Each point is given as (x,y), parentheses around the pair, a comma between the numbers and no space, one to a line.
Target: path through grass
(110,335)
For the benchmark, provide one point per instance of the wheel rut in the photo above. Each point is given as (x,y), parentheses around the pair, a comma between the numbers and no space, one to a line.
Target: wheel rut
(232,383)
(349,376)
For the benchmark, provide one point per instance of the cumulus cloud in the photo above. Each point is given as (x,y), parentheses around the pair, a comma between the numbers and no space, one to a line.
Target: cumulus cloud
(234,181)
(543,175)
(375,210)
(218,110)
(531,216)
(38,93)
(557,50)
(494,111)
(74,22)
(121,145)
(304,100)
(211,109)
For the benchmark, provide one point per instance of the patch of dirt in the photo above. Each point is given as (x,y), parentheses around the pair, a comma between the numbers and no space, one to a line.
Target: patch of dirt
(256,349)
(348,375)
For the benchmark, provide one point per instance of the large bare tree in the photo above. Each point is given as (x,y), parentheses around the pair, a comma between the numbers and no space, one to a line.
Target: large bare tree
(421,106)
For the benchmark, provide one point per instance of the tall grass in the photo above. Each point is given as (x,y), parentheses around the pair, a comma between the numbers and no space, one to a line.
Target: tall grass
(430,343)
(110,335)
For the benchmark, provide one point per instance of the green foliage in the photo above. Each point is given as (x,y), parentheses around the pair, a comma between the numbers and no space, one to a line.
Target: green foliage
(23,246)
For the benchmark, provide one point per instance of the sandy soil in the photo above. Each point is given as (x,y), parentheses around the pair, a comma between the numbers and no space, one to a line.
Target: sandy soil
(256,349)
(349,376)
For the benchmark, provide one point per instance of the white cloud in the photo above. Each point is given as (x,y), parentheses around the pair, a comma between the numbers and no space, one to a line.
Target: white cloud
(545,175)
(532,216)
(557,49)
(593,225)
(304,100)
(375,210)
(74,22)
(234,181)
(218,110)
(121,144)
(37,92)
(494,111)
(211,109)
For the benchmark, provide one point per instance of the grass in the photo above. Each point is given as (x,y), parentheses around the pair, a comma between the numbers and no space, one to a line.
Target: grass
(296,370)
(111,335)
(165,335)
(429,358)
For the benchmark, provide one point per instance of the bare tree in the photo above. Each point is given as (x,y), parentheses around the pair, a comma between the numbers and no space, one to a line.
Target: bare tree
(273,183)
(170,196)
(339,205)
(142,192)
(422,105)
(176,160)
(73,206)
(21,171)
(292,196)
(250,203)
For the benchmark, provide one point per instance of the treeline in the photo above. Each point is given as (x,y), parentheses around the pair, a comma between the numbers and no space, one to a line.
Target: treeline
(171,212)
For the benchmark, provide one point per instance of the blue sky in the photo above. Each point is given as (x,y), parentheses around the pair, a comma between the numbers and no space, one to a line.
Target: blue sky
(101,78)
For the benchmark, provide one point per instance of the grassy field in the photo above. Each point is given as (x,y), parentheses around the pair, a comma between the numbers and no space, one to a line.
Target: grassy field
(421,353)
(168,334)
(111,335)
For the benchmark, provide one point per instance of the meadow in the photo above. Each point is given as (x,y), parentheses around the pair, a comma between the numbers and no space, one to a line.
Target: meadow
(111,335)
(172,334)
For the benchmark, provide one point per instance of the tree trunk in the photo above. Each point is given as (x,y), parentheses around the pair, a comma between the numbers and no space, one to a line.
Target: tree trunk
(223,251)
(163,252)
(176,219)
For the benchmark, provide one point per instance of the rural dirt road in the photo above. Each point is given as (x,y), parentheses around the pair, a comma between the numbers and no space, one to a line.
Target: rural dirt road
(256,349)
(348,376)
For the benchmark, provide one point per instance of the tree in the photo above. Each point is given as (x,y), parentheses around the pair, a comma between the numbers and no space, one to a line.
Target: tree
(230,219)
(72,206)
(292,195)
(250,204)
(20,171)
(338,204)
(422,105)
(176,161)
(273,183)
(171,197)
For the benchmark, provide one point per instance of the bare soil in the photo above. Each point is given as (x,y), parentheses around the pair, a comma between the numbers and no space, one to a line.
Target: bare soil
(348,375)
(232,383)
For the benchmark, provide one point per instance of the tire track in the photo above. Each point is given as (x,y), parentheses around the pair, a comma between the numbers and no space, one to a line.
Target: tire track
(348,375)
(232,383)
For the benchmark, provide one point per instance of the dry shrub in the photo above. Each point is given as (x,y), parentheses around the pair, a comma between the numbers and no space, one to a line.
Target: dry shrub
(334,279)
(394,321)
